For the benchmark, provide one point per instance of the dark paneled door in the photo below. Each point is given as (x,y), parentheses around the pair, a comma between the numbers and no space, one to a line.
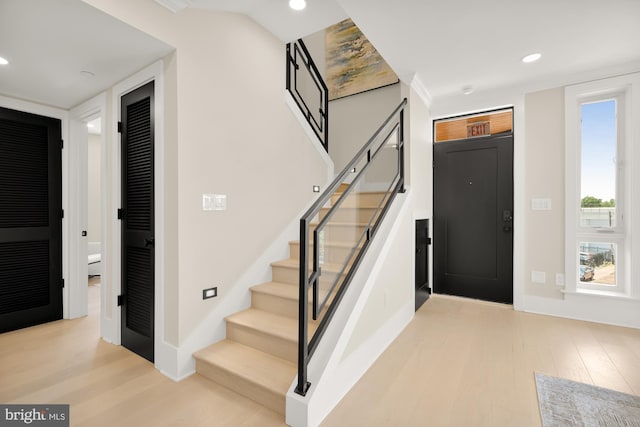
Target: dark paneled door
(137,215)
(30,219)
(473,208)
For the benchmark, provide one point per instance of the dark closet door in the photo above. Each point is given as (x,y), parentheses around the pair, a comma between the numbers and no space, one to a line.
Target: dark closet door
(137,216)
(30,219)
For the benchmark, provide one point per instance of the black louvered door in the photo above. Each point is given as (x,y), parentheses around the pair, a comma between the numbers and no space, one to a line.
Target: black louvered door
(30,219)
(137,217)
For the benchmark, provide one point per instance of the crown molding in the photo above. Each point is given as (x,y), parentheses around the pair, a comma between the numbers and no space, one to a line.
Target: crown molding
(174,6)
(421,90)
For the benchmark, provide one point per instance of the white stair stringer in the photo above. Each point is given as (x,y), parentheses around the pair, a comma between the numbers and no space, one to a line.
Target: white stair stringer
(347,349)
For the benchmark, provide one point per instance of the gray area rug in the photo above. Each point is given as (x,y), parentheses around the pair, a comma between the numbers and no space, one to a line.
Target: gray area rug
(565,403)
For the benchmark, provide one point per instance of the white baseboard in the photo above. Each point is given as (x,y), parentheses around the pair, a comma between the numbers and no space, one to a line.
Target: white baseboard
(591,308)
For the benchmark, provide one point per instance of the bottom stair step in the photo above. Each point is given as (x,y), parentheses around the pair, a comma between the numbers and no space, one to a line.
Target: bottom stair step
(259,376)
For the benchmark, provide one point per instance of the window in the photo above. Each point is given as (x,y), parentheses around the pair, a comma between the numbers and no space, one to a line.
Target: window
(597,183)
(598,171)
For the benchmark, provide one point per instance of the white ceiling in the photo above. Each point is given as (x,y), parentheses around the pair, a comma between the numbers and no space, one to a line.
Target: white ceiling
(49,43)
(447,44)
(450,44)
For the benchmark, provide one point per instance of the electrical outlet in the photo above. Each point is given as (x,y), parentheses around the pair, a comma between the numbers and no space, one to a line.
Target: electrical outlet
(559,279)
(210,293)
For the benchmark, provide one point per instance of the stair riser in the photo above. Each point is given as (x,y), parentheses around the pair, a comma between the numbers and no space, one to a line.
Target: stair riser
(278,305)
(350,214)
(368,199)
(242,386)
(275,304)
(263,341)
(332,254)
(292,275)
(336,233)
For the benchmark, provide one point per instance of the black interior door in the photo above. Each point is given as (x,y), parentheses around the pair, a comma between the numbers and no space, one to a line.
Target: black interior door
(30,219)
(473,209)
(137,215)
(422,262)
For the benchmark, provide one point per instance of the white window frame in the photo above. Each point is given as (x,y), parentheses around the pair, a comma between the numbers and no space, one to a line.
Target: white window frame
(620,89)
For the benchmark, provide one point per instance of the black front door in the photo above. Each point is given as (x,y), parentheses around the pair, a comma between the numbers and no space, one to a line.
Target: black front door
(30,219)
(473,209)
(137,215)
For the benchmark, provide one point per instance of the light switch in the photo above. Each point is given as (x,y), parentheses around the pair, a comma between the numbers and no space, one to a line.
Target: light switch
(207,202)
(214,202)
(220,202)
(541,204)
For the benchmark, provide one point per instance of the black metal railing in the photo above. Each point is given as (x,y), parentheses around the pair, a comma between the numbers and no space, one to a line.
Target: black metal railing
(308,89)
(336,231)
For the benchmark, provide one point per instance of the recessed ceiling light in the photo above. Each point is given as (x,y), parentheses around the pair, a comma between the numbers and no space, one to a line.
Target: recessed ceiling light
(533,57)
(3,61)
(467,90)
(87,74)
(297,4)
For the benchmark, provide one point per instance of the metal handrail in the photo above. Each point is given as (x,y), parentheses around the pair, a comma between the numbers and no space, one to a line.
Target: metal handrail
(306,281)
(298,50)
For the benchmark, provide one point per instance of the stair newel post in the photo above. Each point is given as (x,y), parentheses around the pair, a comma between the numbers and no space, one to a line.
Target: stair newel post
(303,310)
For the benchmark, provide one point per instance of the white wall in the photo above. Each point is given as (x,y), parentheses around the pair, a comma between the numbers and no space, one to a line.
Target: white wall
(93,199)
(544,177)
(539,172)
(228,131)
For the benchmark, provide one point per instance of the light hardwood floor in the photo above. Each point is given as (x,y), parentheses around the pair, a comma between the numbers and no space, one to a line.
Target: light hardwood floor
(468,363)
(459,363)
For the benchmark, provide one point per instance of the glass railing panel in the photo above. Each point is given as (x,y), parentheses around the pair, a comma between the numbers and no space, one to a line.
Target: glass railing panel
(341,224)
(309,91)
(356,211)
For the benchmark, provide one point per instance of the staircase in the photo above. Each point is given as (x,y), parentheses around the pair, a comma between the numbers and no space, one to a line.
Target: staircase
(258,358)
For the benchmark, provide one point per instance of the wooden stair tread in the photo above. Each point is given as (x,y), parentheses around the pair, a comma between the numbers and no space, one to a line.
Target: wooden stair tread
(350,205)
(277,289)
(333,244)
(268,323)
(295,263)
(280,290)
(266,370)
(340,224)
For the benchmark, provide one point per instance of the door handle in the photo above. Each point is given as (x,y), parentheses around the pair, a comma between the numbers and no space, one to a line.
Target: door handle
(507,218)
(149,242)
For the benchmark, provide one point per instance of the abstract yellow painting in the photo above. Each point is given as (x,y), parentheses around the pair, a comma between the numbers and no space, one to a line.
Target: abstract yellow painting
(353,64)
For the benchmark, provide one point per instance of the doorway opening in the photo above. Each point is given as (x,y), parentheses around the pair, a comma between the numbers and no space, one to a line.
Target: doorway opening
(94,214)
(473,206)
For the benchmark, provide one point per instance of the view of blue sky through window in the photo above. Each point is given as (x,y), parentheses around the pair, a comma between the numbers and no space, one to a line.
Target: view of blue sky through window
(598,148)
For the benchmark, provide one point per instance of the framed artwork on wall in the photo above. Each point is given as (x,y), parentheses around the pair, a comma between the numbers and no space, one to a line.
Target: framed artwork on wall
(353,64)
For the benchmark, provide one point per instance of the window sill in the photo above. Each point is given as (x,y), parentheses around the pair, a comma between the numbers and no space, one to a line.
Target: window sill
(602,294)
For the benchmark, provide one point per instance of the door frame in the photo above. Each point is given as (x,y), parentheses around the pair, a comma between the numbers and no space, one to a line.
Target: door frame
(164,352)
(76,304)
(481,106)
